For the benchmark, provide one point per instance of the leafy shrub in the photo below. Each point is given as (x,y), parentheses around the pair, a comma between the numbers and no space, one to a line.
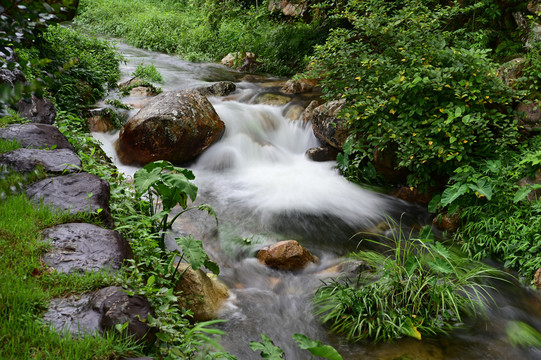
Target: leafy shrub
(410,88)
(83,67)
(148,73)
(421,288)
(497,219)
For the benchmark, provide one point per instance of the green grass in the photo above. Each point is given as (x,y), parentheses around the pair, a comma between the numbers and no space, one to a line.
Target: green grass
(26,288)
(419,288)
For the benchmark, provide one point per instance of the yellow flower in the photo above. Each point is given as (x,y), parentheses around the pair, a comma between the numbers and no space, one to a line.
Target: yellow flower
(414,134)
(465,141)
(358,78)
(403,60)
(430,142)
(392,111)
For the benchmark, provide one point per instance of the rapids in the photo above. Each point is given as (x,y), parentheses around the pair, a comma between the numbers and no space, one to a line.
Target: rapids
(264,189)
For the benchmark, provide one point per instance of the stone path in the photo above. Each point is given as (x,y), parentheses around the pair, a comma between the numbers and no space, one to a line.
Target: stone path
(77,247)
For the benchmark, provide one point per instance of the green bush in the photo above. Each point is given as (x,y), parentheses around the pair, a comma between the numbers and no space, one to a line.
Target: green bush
(411,88)
(421,288)
(205,30)
(148,73)
(83,67)
(498,220)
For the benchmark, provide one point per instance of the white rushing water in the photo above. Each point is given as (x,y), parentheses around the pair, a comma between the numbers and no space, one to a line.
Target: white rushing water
(264,189)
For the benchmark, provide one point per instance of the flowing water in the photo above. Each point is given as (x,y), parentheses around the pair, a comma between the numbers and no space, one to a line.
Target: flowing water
(264,189)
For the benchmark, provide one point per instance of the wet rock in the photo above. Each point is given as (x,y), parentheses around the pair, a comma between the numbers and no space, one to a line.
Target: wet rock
(537,279)
(327,127)
(73,315)
(385,162)
(222,88)
(117,307)
(54,161)
(293,112)
(299,86)
(272,99)
(242,61)
(286,255)
(75,193)
(36,136)
(201,294)
(511,71)
(37,110)
(81,247)
(91,314)
(447,222)
(290,8)
(322,153)
(98,123)
(412,195)
(308,113)
(176,126)
(141,91)
(529,181)
(528,122)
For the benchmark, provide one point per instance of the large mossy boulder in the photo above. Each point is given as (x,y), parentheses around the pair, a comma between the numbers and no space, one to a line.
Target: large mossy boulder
(176,126)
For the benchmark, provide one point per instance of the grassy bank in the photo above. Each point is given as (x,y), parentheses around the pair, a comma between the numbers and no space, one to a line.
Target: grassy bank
(205,30)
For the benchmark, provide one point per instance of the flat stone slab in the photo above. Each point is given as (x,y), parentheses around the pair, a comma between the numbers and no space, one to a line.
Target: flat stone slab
(56,161)
(39,136)
(81,247)
(76,193)
(92,314)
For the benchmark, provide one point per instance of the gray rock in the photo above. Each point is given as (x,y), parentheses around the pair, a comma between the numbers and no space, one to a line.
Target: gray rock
(272,99)
(10,76)
(53,161)
(81,247)
(37,110)
(76,193)
(73,316)
(36,136)
(92,314)
(222,88)
(117,307)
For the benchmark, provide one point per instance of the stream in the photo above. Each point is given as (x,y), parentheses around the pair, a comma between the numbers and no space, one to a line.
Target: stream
(264,190)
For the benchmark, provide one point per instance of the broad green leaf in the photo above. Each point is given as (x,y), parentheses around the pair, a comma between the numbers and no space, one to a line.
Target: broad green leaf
(411,264)
(193,251)
(433,204)
(151,280)
(522,193)
(267,348)
(482,187)
(441,266)
(441,250)
(493,165)
(143,179)
(181,183)
(316,348)
(452,193)
(212,266)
